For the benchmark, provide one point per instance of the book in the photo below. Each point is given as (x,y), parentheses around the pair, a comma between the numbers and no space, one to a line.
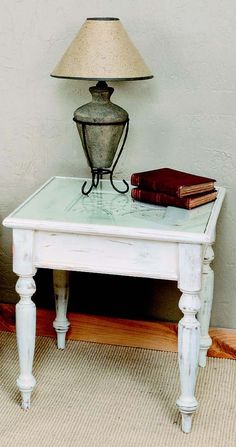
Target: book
(161,198)
(171,181)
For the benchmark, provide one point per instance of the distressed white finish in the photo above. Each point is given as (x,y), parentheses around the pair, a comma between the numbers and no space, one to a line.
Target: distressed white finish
(185,117)
(107,232)
(190,272)
(23,266)
(159,259)
(206,295)
(61,291)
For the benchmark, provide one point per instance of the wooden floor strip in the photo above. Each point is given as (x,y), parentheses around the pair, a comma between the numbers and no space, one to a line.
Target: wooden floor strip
(115,331)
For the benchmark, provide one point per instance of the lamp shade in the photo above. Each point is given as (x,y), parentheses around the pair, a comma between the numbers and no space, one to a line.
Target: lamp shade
(102,50)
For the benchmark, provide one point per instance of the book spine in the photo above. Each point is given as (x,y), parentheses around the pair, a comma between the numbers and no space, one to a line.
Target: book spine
(150,184)
(159,198)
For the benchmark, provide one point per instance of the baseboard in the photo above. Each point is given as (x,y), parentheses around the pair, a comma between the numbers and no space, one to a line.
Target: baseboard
(116,331)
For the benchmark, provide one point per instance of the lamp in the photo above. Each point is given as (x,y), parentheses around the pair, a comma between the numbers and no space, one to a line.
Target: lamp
(102,51)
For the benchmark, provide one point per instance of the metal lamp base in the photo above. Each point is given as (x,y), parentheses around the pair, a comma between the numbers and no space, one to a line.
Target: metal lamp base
(97,174)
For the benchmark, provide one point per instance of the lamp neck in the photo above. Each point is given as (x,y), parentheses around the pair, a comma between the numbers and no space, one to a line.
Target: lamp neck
(101,85)
(101,92)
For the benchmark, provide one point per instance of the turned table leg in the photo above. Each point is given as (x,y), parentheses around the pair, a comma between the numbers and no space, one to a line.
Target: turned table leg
(61,292)
(206,296)
(25,330)
(189,330)
(25,311)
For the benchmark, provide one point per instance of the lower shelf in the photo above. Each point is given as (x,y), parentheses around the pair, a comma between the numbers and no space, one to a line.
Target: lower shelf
(116,331)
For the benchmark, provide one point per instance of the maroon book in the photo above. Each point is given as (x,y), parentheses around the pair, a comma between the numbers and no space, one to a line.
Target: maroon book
(171,181)
(161,198)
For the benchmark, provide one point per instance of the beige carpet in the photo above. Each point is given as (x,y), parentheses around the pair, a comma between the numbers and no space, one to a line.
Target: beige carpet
(93,395)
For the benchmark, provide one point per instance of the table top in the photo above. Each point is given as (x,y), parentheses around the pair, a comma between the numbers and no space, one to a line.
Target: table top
(59,205)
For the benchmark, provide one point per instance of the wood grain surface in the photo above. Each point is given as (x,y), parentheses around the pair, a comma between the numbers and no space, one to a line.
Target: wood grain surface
(161,336)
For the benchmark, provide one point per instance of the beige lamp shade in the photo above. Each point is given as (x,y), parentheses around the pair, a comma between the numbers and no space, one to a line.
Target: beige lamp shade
(102,50)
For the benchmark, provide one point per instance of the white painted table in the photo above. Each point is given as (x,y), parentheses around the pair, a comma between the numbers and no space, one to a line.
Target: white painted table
(107,232)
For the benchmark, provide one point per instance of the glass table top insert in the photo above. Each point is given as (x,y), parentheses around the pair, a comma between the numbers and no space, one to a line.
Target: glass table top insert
(61,200)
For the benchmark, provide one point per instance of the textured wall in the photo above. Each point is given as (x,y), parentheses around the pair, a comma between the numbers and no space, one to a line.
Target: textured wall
(183,118)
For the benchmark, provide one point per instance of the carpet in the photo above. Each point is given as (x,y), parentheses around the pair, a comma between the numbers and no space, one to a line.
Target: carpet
(94,395)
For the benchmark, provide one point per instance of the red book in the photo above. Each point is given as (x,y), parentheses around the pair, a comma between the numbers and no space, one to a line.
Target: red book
(171,181)
(161,198)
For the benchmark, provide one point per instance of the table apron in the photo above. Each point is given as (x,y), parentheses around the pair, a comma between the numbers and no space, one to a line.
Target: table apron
(105,254)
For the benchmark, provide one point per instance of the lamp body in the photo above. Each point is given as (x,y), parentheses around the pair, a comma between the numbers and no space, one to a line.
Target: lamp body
(104,124)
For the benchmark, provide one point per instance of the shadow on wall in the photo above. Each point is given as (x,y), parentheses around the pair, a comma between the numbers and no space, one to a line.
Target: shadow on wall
(118,296)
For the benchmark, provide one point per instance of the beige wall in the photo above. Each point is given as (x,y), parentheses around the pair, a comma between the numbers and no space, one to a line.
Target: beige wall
(183,118)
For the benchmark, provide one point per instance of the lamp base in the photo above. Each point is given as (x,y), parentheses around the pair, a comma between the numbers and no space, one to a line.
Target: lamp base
(97,174)
(100,124)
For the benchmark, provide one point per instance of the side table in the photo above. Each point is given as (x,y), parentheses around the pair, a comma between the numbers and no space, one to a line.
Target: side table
(107,232)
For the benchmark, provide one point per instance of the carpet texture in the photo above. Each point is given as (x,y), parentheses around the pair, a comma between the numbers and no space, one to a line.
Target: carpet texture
(93,395)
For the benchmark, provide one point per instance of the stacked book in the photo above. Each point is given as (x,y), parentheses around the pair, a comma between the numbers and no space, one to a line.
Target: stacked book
(170,187)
